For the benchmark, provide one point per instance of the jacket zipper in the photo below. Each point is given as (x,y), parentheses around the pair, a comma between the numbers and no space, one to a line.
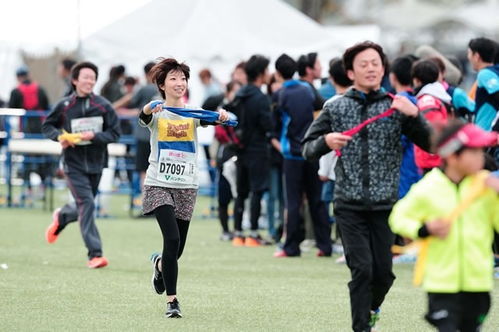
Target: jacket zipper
(365,155)
(84,104)
(459,244)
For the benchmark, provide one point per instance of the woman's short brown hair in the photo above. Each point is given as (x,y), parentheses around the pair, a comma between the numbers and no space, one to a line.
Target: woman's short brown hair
(163,67)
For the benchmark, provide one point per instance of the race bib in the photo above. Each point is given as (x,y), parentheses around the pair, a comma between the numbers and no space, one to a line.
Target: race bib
(176,151)
(176,167)
(93,124)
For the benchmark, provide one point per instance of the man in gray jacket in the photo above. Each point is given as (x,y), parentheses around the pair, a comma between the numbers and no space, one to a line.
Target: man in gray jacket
(367,173)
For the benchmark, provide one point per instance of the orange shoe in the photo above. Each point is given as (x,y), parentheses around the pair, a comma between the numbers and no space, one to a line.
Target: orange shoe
(50,233)
(97,262)
(238,241)
(252,242)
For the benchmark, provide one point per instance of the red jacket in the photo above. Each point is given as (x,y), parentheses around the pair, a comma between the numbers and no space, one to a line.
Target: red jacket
(434,110)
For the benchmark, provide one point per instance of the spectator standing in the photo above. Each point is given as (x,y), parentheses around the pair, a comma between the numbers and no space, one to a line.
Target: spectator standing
(253,159)
(112,89)
(296,106)
(432,102)
(64,72)
(309,70)
(481,54)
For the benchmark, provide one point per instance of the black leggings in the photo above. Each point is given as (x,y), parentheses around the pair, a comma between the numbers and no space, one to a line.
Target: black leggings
(174,235)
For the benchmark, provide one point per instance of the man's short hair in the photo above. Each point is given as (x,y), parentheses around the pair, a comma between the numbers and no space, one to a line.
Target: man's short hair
(401,67)
(286,66)
(306,60)
(255,66)
(485,47)
(75,71)
(426,71)
(351,53)
(338,74)
(148,66)
(68,63)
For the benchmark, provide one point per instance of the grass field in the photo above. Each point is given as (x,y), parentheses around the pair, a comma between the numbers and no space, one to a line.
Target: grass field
(221,288)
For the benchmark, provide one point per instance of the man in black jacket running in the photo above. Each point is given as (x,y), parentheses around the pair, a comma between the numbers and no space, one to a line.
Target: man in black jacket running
(92,124)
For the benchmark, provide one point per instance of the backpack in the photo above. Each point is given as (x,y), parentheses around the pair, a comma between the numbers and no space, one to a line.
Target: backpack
(241,136)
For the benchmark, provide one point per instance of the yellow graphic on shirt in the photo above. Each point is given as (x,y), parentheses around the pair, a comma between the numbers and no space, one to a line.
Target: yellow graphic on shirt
(175,130)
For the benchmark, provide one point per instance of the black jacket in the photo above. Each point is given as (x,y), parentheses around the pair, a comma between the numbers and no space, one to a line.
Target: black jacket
(368,172)
(256,121)
(90,158)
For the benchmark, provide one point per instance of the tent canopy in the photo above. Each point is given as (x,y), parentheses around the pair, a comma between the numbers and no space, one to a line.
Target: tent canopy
(216,34)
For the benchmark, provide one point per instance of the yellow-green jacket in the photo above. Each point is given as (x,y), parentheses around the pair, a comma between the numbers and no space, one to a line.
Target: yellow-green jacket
(463,260)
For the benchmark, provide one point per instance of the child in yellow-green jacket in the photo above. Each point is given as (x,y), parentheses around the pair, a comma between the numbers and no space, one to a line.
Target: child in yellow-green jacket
(458,273)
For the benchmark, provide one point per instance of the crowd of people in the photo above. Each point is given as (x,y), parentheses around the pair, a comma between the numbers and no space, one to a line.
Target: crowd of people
(376,134)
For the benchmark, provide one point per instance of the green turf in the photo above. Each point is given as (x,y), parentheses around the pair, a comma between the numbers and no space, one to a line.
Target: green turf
(221,288)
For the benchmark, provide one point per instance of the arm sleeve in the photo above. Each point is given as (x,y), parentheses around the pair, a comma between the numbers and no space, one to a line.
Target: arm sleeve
(16,99)
(313,143)
(461,101)
(488,80)
(43,99)
(418,131)
(144,119)
(52,124)
(496,215)
(408,215)
(111,132)
(264,119)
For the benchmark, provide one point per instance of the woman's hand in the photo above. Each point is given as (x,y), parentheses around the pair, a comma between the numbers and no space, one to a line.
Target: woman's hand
(336,141)
(223,115)
(154,106)
(404,105)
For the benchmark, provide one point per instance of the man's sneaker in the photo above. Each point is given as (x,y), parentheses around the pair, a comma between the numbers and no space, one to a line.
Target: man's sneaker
(374,319)
(52,231)
(280,253)
(226,236)
(238,241)
(252,241)
(256,241)
(321,253)
(97,262)
(173,309)
(157,276)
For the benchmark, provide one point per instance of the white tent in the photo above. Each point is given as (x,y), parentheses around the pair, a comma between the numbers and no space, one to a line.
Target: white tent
(207,33)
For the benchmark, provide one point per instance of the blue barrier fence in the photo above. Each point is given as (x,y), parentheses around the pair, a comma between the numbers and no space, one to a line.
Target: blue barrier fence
(29,155)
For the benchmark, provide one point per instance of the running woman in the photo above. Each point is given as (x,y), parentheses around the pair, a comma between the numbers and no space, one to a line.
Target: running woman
(171,182)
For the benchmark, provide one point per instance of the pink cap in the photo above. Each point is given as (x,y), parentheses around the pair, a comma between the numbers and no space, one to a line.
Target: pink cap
(469,136)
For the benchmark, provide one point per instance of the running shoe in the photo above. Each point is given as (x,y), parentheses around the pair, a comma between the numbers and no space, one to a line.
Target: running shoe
(157,276)
(97,262)
(52,232)
(173,309)
(238,241)
(374,319)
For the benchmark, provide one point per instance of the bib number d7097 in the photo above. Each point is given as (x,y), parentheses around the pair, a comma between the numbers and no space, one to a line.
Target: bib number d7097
(176,167)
